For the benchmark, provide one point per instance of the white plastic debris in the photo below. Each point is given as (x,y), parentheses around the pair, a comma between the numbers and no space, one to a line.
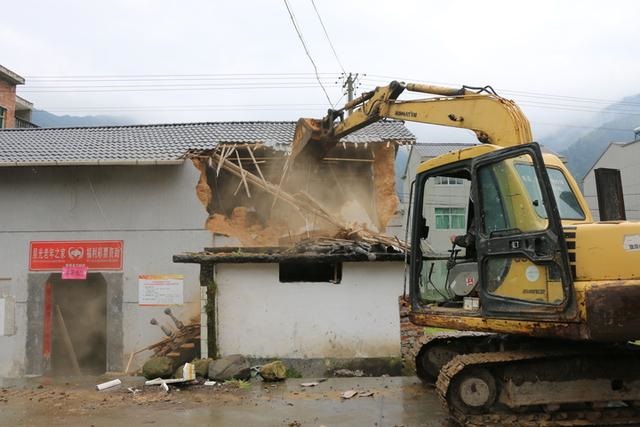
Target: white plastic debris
(313,384)
(208,382)
(165,387)
(108,384)
(348,394)
(188,374)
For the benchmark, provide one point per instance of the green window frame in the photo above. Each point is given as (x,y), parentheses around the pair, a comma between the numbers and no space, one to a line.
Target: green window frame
(450,218)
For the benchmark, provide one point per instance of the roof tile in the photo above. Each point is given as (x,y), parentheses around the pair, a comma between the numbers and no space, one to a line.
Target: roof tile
(164,142)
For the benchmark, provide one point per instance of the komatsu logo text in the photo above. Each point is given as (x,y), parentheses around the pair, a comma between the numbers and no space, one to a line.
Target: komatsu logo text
(406,114)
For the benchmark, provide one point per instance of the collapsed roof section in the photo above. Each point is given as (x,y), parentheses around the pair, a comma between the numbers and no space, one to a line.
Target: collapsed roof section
(352,187)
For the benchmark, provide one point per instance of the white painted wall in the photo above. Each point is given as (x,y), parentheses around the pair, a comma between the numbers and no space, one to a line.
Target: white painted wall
(625,157)
(260,317)
(153,209)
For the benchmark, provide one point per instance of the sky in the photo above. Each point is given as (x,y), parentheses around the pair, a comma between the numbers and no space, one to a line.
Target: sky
(165,61)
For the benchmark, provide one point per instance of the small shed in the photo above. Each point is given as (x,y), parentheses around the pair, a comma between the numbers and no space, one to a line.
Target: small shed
(321,299)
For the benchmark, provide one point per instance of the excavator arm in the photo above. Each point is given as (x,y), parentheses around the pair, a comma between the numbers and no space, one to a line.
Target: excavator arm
(494,120)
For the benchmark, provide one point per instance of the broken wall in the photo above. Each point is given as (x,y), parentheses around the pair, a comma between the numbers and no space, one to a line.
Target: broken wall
(355,183)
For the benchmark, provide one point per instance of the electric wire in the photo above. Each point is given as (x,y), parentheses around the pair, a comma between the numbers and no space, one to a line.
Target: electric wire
(386,79)
(304,45)
(327,35)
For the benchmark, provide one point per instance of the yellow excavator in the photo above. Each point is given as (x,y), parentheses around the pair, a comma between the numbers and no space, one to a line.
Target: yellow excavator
(542,303)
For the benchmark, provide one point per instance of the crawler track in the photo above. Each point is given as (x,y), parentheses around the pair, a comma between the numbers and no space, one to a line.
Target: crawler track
(576,370)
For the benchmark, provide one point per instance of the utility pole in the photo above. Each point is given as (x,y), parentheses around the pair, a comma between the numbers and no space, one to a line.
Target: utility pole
(349,85)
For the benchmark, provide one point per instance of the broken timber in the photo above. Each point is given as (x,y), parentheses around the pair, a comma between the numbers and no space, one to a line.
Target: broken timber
(303,203)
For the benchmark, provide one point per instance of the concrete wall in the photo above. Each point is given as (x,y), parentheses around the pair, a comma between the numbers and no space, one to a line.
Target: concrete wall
(358,318)
(627,159)
(153,209)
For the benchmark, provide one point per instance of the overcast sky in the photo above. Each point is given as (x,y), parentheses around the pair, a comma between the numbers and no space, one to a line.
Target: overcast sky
(179,61)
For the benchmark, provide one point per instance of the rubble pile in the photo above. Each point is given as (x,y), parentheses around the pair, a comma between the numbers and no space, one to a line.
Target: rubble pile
(253,194)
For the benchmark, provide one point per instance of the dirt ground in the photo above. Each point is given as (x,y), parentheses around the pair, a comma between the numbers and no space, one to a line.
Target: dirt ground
(396,401)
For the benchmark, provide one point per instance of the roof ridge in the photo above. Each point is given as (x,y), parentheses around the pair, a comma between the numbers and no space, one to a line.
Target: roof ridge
(147,125)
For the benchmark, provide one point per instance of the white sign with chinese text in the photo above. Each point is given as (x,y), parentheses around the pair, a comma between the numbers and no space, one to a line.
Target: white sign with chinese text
(166,289)
(631,242)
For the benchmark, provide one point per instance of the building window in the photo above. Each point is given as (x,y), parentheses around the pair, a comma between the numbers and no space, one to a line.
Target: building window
(447,180)
(329,272)
(3,113)
(450,218)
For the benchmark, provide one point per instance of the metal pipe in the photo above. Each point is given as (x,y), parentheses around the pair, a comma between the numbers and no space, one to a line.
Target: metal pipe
(436,90)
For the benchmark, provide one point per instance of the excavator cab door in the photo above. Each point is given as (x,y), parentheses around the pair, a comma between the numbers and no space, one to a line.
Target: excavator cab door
(522,258)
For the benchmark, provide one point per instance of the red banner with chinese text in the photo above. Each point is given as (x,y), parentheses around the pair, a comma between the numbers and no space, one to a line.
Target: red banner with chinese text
(95,254)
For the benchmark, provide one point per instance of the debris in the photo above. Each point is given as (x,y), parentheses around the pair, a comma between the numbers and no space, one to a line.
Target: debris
(274,371)
(188,374)
(312,384)
(176,321)
(202,367)
(348,373)
(133,390)
(164,328)
(165,387)
(210,383)
(108,384)
(155,367)
(234,366)
(348,394)
(365,394)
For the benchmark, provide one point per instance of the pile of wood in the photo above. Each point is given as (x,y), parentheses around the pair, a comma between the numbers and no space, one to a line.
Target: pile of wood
(184,339)
(181,343)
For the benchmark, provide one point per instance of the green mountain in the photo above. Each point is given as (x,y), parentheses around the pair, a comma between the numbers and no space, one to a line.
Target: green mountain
(614,124)
(48,120)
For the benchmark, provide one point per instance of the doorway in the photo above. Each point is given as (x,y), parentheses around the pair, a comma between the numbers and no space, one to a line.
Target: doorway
(78,324)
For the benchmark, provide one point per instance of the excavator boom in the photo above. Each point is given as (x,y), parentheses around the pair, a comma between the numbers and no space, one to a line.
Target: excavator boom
(495,120)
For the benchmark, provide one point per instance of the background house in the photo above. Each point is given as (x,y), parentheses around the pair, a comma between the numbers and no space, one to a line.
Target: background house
(624,156)
(122,201)
(15,112)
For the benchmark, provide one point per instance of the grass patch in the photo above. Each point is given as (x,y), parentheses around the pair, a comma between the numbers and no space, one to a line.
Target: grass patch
(293,373)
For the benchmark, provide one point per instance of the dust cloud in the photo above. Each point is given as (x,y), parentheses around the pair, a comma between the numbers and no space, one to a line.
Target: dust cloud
(355,185)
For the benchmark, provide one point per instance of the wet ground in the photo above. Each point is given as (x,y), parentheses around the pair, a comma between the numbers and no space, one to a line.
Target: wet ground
(396,401)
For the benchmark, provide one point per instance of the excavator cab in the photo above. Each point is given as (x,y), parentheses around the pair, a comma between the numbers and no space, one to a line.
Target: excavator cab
(515,264)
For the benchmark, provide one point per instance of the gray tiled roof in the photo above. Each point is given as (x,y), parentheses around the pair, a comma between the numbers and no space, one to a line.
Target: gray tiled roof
(437,149)
(164,143)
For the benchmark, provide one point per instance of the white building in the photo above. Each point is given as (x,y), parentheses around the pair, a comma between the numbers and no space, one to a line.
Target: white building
(626,158)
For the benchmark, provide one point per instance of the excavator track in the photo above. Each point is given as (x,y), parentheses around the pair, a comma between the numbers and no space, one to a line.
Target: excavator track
(519,389)
(443,346)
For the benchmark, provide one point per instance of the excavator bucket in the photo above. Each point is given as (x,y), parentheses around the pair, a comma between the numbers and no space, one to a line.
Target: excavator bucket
(310,142)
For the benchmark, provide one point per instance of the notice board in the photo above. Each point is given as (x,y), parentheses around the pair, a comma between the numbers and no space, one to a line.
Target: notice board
(163,289)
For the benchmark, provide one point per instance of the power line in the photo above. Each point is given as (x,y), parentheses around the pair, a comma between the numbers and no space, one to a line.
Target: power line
(203,88)
(327,35)
(386,79)
(110,76)
(304,45)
